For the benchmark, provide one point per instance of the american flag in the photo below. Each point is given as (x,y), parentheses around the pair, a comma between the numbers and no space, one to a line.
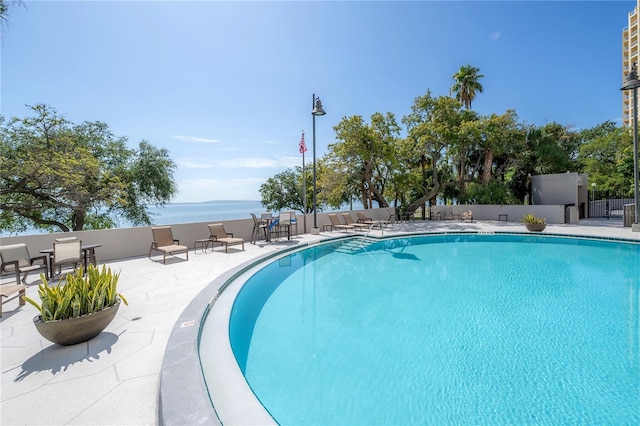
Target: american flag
(303,146)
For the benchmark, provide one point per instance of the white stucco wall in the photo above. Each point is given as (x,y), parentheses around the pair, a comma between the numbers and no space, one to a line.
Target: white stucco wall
(552,213)
(133,242)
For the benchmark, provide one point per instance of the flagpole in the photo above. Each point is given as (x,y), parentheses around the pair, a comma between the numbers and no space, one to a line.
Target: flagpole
(304,194)
(303,148)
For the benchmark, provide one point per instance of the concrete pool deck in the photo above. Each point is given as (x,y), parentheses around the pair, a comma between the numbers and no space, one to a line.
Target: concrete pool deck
(114,378)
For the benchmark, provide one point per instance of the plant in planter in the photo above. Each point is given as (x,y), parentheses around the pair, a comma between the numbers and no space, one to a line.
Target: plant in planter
(79,307)
(533,223)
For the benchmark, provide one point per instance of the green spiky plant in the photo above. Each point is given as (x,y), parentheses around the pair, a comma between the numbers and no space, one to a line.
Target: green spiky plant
(529,218)
(78,294)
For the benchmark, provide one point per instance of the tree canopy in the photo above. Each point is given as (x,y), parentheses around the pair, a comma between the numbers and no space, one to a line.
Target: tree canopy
(447,151)
(60,176)
(284,191)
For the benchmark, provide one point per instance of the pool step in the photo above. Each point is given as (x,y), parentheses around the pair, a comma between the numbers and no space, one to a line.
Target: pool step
(356,244)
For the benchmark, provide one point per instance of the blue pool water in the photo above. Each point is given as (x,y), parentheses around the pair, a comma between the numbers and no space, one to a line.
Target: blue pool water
(445,330)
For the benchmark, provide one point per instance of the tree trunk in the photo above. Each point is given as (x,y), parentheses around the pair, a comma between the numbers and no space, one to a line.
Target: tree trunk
(488,163)
(434,191)
(363,195)
(372,192)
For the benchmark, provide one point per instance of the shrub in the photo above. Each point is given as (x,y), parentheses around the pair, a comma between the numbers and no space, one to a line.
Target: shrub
(78,294)
(529,218)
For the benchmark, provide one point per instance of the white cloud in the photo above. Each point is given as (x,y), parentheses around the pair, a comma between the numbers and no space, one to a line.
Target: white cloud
(291,162)
(195,139)
(241,163)
(193,163)
(495,35)
(260,163)
(199,190)
(248,163)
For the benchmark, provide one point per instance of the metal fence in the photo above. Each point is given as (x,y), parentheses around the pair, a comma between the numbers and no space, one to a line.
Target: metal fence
(609,204)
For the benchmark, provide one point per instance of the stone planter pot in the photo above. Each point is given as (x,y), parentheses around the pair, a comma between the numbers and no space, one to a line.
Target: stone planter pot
(76,330)
(536,227)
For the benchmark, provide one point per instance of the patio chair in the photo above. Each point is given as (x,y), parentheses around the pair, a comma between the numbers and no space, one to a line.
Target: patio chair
(448,212)
(164,242)
(356,225)
(67,253)
(63,239)
(467,215)
(219,235)
(284,224)
(335,223)
(15,258)
(259,227)
(362,218)
(293,221)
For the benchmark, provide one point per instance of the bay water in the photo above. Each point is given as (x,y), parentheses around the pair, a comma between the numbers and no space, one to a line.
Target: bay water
(209,211)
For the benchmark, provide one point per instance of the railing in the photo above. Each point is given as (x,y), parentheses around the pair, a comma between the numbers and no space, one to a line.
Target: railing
(607,204)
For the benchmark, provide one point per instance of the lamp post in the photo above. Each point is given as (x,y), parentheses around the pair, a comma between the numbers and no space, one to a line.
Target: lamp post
(633,83)
(317,110)
(592,208)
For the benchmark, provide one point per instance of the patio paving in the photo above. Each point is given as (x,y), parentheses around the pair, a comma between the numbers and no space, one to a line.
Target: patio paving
(114,378)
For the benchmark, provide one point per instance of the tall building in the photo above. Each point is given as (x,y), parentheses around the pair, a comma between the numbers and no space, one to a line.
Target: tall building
(630,40)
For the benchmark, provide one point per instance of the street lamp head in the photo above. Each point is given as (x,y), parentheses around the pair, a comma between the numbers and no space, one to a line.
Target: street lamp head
(317,108)
(632,81)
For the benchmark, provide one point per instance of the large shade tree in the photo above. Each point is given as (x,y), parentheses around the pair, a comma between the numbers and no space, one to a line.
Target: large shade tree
(284,190)
(363,159)
(606,155)
(432,127)
(60,176)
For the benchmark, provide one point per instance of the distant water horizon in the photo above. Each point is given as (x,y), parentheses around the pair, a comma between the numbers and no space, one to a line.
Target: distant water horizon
(207,211)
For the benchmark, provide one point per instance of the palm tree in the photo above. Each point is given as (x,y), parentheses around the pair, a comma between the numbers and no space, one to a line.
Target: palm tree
(466,84)
(3,11)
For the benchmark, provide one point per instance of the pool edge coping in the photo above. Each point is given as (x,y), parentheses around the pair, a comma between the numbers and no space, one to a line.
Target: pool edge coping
(183,396)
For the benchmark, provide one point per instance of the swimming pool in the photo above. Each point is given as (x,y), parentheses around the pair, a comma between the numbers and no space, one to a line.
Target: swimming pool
(441,329)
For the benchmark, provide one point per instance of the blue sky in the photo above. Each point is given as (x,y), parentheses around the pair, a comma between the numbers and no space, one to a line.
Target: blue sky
(227,87)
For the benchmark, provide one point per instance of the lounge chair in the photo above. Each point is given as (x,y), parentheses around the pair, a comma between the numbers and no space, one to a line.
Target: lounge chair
(467,215)
(335,223)
(362,218)
(220,236)
(356,225)
(369,221)
(393,217)
(15,258)
(164,242)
